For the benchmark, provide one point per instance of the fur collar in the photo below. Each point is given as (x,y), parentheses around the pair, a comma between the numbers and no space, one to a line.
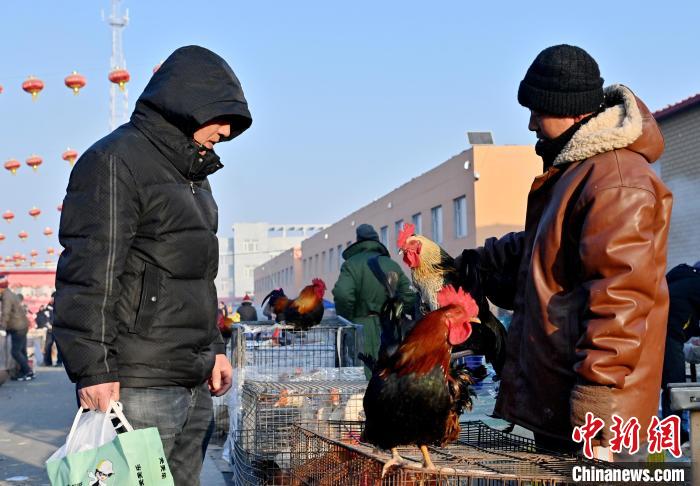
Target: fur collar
(614,128)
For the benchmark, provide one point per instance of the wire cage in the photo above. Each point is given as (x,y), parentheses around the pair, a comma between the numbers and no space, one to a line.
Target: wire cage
(264,347)
(482,456)
(261,449)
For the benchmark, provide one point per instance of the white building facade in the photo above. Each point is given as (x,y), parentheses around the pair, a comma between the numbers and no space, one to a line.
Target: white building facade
(256,243)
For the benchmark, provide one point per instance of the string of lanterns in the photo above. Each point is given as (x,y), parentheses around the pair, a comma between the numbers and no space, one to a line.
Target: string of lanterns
(75,82)
(34,86)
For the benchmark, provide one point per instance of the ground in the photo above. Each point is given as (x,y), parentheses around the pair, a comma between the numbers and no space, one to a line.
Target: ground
(35,417)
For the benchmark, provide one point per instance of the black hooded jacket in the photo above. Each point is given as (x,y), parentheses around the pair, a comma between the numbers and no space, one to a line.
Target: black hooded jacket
(135,295)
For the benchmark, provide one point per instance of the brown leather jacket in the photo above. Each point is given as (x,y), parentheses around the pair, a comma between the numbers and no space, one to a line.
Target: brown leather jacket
(586,279)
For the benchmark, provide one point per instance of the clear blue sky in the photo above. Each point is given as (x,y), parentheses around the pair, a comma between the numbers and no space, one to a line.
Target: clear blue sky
(349,99)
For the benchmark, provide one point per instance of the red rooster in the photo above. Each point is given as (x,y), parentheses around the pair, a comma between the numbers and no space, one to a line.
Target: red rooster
(304,311)
(431,269)
(414,395)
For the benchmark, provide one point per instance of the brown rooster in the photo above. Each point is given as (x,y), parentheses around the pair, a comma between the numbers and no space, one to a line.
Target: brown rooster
(431,269)
(304,311)
(415,396)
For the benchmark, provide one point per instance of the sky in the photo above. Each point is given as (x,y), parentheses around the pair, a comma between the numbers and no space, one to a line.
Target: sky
(349,99)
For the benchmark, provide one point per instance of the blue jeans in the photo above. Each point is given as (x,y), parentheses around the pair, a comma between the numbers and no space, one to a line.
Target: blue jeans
(185,419)
(19,351)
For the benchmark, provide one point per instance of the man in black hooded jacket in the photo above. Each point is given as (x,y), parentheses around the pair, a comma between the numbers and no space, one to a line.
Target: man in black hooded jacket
(135,299)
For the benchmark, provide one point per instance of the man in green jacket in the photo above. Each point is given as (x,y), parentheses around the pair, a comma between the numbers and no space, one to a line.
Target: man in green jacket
(358,293)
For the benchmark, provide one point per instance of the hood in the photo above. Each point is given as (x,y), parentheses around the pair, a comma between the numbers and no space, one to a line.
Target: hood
(191,87)
(365,246)
(626,122)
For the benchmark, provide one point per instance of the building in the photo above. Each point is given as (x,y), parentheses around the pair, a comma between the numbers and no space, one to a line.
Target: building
(680,169)
(256,243)
(478,193)
(225,278)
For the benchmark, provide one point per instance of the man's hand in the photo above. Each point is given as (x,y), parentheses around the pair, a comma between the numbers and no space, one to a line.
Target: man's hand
(221,376)
(97,397)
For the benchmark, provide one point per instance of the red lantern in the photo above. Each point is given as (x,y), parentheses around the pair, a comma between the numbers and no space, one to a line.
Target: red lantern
(49,263)
(2,237)
(8,216)
(70,156)
(23,235)
(32,263)
(75,82)
(120,77)
(12,165)
(34,253)
(60,207)
(0,88)
(50,251)
(18,264)
(34,161)
(48,231)
(34,212)
(17,256)
(33,86)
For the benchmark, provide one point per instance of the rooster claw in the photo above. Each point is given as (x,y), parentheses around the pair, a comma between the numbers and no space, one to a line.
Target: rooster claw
(395,461)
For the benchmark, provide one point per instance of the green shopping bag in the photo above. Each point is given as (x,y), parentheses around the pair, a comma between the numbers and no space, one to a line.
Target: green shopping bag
(132,458)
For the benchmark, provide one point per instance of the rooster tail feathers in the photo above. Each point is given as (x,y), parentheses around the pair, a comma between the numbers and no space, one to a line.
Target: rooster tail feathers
(272,296)
(449,296)
(409,229)
(392,283)
(368,360)
(462,390)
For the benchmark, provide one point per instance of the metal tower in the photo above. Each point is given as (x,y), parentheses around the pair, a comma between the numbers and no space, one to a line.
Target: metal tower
(118,98)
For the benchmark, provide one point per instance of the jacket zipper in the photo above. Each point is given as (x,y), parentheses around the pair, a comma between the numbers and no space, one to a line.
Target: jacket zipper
(192,186)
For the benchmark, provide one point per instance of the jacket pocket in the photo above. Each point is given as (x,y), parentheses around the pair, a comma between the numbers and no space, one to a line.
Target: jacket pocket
(148,303)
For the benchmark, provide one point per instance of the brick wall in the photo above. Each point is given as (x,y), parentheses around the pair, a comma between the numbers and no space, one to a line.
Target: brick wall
(680,170)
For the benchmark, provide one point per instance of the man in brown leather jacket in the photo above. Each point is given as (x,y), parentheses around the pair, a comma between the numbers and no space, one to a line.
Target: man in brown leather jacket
(586,277)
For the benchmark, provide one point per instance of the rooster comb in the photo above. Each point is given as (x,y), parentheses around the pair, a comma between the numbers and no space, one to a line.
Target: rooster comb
(409,229)
(449,296)
(317,282)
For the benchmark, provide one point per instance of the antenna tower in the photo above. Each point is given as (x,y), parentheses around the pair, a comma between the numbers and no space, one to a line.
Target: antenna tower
(118,98)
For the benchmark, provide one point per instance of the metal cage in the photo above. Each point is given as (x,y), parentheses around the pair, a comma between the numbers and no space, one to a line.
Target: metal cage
(261,448)
(263,347)
(482,456)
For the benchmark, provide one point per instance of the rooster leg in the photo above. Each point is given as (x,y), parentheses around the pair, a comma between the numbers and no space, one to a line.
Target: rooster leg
(427,462)
(396,460)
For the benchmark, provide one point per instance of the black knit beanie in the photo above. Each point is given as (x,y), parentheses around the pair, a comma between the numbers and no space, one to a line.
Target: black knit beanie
(562,80)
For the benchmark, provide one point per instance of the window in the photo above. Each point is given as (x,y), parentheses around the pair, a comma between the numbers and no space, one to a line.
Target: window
(324,262)
(316,264)
(340,256)
(384,235)
(250,246)
(436,219)
(274,232)
(417,220)
(331,259)
(460,216)
(397,228)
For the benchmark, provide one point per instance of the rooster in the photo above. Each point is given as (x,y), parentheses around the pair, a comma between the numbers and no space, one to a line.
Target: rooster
(415,396)
(431,269)
(304,311)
